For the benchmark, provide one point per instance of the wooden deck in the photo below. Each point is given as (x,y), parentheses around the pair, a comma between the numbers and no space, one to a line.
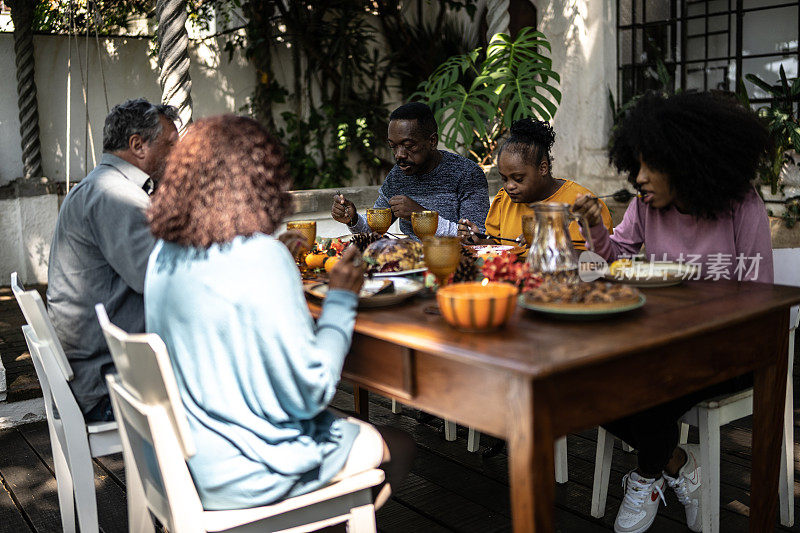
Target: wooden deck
(449,488)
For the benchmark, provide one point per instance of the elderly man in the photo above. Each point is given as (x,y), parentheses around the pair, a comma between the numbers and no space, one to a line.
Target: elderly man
(102,243)
(423,178)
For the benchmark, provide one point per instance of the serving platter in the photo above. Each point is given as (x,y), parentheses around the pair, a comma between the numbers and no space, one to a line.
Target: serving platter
(399,273)
(404,288)
(483,250)
(581,311)
(653,274)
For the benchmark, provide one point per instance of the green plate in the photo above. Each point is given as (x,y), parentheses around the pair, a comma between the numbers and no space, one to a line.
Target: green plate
(581,312)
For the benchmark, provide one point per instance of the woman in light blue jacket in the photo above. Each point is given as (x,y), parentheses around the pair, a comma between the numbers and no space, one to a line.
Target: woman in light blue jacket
(255,372)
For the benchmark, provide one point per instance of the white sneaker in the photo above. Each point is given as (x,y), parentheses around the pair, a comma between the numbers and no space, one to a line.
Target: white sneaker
(687,487)
(640,503)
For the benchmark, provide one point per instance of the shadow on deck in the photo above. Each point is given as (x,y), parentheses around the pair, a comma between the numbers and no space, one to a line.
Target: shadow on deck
(449,489)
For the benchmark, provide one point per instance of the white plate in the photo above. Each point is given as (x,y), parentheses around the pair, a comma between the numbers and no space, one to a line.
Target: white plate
(655,274)
(404,288)
(400,273)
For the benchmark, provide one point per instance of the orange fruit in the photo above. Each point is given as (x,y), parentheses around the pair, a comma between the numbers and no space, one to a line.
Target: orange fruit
(331,262)
(315,260)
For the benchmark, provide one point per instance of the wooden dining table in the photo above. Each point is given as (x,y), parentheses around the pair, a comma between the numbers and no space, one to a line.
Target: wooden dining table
(540,378)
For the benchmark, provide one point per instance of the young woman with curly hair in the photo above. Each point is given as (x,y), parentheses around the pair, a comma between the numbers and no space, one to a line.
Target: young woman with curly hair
(254,371)
(525,166)
(693,157)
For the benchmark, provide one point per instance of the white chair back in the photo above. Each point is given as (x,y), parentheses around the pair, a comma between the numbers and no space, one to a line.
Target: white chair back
(786,263)
(36,315)
(168,487)
(144,368)
(60,406)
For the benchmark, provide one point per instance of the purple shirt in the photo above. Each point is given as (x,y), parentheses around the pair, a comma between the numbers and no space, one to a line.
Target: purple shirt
(736,245)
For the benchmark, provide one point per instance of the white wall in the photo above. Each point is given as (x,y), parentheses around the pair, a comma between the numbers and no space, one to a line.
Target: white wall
(583,37)
(27,224)
(218,86)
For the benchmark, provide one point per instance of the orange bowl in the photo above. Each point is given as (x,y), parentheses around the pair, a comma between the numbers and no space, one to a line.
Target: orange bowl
(475,306)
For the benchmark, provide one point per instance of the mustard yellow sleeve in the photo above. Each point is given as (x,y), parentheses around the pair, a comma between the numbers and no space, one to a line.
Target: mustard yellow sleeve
(492,223)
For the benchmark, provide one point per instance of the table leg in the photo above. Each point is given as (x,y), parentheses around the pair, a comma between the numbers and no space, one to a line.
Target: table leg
(361,400)
(769,395)
(531,461)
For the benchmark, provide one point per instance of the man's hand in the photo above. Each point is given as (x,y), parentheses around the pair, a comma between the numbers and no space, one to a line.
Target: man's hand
(343,210)
(295,241)
(590,208)
(403,206)
(465,231)
(348,273)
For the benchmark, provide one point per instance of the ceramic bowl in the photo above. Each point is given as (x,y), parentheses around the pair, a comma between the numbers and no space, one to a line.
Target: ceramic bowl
(477,306)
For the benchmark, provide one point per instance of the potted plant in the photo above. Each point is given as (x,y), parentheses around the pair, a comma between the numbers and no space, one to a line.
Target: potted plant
(784,128)
(476,96)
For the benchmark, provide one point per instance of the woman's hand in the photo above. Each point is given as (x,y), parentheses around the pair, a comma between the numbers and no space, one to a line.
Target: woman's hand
(590,208)
(348,273)
(466,231)
(295,241)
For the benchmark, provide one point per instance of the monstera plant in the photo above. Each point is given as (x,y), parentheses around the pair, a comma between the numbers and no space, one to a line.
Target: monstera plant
(476,96)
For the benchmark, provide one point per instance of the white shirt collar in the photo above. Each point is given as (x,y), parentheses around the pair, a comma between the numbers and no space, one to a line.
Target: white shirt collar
(132,172)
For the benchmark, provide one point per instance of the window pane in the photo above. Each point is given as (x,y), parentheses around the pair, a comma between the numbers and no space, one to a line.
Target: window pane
(747,4)
(718,76)
(694,78)
(771,30)
(695,48)
(768,69)
(698,8)
(625,12)
(696,27)
(639,11)
(658,10)
(624,47)
(718,45)
(719,23)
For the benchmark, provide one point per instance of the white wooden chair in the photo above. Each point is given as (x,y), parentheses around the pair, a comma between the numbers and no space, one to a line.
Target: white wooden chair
(73,441)
(157,442)
(710,415)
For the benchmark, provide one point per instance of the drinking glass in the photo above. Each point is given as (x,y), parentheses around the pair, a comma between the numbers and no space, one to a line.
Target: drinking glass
(442,255)
(528,228)
(424,223)
(308,228)
(379,219)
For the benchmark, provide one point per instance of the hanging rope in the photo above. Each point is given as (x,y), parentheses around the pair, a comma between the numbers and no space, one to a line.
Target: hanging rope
(97,21)
(173,58)
(22,17)
(497,18)
(68,141)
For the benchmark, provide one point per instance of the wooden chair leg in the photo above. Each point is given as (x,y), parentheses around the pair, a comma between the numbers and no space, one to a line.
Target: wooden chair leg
(449,430)
(362,519)
(66,498)
(602,471)
(684,433)
(786,486)
(473,440)
(562,471)
(708,420)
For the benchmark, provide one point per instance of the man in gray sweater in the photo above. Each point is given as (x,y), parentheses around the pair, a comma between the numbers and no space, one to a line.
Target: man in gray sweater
(423,178)
(102,243)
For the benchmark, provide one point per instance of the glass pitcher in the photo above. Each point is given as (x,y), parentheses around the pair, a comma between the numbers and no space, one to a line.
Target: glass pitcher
(551,249)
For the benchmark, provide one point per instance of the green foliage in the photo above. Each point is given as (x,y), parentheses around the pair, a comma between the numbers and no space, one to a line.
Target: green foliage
(782,121)
(476,96)
(103,16)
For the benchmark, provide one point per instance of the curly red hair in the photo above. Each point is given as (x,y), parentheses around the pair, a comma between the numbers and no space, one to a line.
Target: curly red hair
(226,177)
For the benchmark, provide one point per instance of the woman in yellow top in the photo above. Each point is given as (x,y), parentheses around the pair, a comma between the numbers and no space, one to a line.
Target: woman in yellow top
(525,165)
